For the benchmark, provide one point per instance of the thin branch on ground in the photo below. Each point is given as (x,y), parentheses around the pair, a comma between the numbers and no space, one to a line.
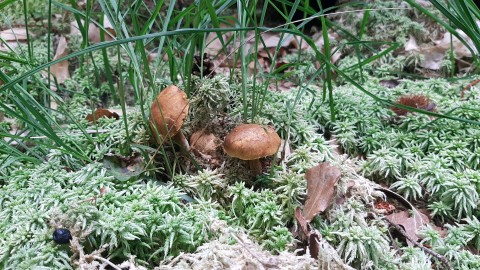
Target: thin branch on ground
(423,248)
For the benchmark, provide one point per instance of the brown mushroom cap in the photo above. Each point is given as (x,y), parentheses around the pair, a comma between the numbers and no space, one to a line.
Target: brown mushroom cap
(169,110)
(251,141)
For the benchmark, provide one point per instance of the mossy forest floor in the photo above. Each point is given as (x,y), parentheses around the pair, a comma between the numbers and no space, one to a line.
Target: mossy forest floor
(406,197)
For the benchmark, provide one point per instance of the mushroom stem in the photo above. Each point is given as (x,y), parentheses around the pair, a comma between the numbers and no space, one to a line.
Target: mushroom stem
(180,139)
(255,166)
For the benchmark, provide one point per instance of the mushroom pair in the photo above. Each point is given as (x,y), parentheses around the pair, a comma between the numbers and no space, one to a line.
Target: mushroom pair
(251,142)
(247,141)
(168,113)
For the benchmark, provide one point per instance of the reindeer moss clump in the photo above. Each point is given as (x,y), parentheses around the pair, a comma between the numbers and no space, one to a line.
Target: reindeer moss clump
(117,216)
(137,217)
(426,159)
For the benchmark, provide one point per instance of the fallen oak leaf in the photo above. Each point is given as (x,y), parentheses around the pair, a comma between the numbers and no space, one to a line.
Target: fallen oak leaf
(321,181)
(99,113)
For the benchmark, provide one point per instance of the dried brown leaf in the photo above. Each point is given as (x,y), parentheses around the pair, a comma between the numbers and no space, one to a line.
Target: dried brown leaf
(458,47)
(12,37)
(14,34)
(281,86)
(314,244)
(434,55)
(99,113)
(109,27)
(321,181)
(411,224)
(60,70)
(94,31)
(301,220)
(271,40)
(74,29)
(204,144)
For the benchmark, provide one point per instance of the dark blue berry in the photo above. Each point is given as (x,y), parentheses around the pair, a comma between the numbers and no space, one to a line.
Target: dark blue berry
(62,236)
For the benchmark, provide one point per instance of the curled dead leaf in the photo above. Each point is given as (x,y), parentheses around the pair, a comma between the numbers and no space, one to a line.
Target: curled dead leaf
(99,113)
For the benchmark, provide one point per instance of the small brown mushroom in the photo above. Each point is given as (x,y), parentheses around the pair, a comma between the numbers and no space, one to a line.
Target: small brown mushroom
(168,112)
(252,142)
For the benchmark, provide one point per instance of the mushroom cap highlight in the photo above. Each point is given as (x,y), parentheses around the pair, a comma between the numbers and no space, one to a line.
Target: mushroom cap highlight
(169,110)
(251,141)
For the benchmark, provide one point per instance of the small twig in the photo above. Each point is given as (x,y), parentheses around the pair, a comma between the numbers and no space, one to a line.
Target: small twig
(470,85)
(394,243)
(423,248)
(397,196)
(185,257)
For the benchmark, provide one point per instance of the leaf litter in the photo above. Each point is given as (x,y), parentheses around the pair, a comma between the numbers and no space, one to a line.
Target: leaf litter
(321,181)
